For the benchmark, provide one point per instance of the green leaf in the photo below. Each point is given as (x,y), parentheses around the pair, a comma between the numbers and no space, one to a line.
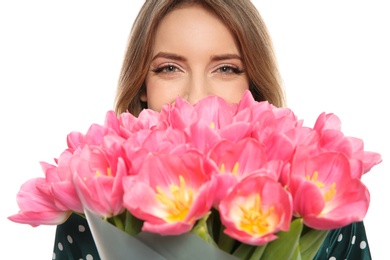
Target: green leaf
(244,251)
(311,242)
(225,242)
(297,254)
(286,244)
(256,255)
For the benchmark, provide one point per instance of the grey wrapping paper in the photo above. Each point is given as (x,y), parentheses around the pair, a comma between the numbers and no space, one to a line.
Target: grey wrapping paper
(114,244)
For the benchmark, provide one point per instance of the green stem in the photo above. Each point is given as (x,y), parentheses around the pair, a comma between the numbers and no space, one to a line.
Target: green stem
(118,222)
(201,230)
(133,225)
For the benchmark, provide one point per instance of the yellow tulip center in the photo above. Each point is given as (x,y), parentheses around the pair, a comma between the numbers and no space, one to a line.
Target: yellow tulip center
(98,174)
(329,193)
(255,220)
(177,202)
(234,171)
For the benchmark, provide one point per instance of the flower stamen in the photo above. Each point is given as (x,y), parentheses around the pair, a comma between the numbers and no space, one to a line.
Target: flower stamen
(222,169)
(330,193)
(235,168)
(177,202)
(254,220)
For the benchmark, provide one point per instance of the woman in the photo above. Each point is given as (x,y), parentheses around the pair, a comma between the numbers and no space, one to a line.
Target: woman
(193,49)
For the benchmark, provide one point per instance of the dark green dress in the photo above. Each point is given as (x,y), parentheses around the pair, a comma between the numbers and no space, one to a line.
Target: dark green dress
(74,242)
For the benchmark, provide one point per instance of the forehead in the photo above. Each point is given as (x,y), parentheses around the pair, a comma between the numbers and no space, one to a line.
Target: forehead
(193,27)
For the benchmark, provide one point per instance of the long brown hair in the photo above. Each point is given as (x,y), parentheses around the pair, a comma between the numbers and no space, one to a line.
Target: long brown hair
(246,24)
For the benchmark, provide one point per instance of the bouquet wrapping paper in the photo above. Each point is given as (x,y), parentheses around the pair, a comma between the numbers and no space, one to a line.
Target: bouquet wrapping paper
(115,244)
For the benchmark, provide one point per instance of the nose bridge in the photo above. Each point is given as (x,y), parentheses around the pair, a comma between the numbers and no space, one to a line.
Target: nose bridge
(197,87)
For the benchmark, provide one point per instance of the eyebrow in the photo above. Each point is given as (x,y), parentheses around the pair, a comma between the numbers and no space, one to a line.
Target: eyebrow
(170,56)
(173,56)
(226,57)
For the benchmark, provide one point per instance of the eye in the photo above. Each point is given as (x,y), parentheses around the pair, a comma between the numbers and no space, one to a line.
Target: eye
(227,69)
(166,69)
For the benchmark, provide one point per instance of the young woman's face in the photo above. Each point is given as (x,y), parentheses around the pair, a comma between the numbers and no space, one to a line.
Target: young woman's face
(194,55)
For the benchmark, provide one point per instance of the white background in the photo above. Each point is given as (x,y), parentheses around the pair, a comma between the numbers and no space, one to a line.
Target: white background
(60,60)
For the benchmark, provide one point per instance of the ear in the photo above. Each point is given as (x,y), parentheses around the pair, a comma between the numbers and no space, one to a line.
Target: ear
(143,96)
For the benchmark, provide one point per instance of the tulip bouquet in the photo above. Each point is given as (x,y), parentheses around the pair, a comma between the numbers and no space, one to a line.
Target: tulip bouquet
(249,179)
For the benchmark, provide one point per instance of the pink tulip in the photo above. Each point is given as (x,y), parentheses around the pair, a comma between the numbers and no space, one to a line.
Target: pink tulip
(332,139)
(247,101)
(97,176)
(60,181)
(167,139)
(94,136)
(140,144)
(179,115)
(129,124)
(202,137)
(215,111)
(256,209)
(37,206)
(170,192)
(325,193)
(211,109)
(235,161)
(49,200)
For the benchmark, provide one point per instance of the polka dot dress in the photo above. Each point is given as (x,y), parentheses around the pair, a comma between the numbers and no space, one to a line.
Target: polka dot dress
(74,242)
(349,242)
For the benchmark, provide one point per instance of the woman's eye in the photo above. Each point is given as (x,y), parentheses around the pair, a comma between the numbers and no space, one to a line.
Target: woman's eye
(166,69)
(229,69)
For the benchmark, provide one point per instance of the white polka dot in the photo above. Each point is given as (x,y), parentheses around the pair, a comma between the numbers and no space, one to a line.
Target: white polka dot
(81,228)
(340,237)
(353,240)
(327,250)
(70,239)
(60,246)
(54,256)
(89,257)
(363,244)
(332,258)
